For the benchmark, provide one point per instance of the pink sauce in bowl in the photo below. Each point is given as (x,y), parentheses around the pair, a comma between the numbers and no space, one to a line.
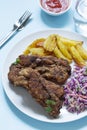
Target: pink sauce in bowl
(55,6)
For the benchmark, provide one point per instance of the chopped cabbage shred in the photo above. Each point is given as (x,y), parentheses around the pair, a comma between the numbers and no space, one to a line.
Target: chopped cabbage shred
(76,91)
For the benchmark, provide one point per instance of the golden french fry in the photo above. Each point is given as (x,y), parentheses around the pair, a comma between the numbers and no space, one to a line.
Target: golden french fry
(82,51)
(37,51)
(69,42)
(50,43)
(58,54)
(40,42)
(76,56)
(63,49)
(26,51)
(34,44)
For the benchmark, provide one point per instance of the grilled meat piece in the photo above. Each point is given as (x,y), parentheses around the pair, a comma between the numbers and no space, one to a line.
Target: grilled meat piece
(41,77)
(51,68)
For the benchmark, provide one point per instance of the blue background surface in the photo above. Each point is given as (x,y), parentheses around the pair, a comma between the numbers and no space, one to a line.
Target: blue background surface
(10,117)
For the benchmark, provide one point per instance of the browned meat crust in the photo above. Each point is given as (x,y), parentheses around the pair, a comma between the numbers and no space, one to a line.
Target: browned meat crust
(41,76)
(51,68)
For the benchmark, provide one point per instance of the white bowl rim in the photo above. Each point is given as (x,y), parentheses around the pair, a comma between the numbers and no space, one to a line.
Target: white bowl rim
(53,13)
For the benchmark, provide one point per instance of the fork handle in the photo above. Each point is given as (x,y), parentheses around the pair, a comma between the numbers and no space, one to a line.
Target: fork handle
(7,37)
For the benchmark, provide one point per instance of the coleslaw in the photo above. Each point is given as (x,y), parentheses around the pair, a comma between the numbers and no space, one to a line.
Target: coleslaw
(76,91)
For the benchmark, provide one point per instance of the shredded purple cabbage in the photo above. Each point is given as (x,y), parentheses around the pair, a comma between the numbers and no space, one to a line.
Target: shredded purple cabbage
(76,91)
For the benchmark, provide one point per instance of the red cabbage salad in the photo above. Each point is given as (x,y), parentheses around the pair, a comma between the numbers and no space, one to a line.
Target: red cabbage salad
(76,90)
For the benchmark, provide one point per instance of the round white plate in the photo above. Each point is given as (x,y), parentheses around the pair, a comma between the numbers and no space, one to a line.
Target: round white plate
(19,96)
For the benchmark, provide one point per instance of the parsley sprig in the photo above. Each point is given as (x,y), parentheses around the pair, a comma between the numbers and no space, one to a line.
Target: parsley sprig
(17,61)
(49,104)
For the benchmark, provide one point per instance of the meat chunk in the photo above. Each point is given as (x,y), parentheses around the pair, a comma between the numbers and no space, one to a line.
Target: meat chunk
(49,67)
(42,76)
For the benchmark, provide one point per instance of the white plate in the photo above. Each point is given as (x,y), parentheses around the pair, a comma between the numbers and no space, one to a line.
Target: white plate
(19,96)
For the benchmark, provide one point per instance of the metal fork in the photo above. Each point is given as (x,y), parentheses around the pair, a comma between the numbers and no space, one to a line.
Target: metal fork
(17,26)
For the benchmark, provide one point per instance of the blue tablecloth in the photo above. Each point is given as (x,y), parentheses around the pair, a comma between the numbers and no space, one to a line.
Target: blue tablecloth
(10,117)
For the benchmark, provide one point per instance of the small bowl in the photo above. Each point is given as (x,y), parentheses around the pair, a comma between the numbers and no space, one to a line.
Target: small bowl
(54,13)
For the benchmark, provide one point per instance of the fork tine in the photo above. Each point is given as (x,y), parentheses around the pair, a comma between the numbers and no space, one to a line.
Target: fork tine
(26,15)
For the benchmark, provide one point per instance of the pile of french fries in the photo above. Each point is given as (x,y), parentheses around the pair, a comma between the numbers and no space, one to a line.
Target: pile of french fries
(60,47)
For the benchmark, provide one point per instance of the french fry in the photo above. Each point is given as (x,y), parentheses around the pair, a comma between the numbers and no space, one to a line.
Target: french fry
(69,42)
(26,51)
(82,51)
(58,54)
(34,44)
(40,51)
(76,56)
(50,43)
(63,49)
(37,51)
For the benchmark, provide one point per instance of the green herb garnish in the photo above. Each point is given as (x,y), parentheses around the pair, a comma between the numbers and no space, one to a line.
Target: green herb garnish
(48,109)
(17,61)
(50,102)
